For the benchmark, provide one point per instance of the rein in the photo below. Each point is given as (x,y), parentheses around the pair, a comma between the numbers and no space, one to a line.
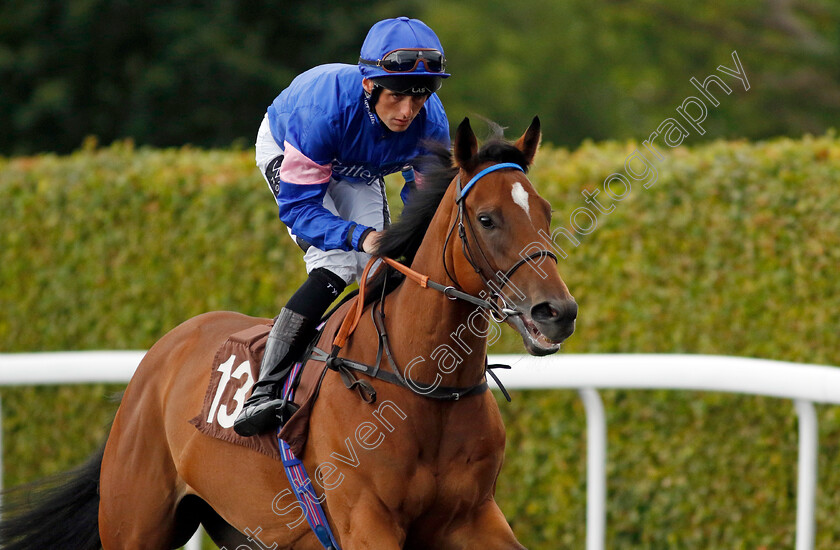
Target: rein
(494,286)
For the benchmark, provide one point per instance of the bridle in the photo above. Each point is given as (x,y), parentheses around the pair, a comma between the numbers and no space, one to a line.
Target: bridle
(491,299)
(497,303)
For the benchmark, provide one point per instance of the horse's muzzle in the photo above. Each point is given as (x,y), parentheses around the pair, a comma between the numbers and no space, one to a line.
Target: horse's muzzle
(555,320)
(546,325)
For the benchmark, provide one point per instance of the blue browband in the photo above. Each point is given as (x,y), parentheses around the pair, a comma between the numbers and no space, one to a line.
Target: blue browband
(475,178)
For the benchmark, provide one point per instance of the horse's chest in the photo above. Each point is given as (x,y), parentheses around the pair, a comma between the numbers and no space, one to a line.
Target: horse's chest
(460,471)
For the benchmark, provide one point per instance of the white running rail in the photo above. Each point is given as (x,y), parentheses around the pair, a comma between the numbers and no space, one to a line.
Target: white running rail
(804,384)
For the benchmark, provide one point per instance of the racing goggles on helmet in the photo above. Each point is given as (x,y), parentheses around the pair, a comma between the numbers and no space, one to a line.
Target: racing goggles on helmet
(407,60)
(416,85)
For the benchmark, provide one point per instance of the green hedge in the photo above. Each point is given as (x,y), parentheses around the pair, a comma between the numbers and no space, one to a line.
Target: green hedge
(733,251)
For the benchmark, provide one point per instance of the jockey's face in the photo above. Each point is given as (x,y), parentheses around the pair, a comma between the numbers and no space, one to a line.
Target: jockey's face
(396,111)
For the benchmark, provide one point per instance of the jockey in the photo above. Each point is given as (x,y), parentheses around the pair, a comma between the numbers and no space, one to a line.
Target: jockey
(324,146)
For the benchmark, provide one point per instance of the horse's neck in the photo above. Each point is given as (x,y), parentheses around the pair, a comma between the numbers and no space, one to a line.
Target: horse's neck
(443,340)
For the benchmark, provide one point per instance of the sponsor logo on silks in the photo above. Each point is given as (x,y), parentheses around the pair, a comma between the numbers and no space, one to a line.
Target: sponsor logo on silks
(370,112)
(363,172)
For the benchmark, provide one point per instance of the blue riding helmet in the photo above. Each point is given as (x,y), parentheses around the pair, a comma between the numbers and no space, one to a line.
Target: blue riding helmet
(402,47)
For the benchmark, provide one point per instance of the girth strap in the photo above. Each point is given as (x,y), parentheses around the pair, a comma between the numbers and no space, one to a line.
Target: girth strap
(305,494)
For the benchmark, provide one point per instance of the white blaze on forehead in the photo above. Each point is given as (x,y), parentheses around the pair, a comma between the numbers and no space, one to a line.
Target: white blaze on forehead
(520,197)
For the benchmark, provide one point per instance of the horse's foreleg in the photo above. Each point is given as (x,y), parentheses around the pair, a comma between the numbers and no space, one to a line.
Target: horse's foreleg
(488,529)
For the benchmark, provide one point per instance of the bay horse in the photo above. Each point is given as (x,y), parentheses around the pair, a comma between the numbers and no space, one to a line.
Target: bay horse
(424,476)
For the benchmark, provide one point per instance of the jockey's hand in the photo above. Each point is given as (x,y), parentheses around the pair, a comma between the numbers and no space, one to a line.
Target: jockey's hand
(371,242)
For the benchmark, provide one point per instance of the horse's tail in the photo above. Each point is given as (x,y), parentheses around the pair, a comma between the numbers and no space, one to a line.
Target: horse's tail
(61,511)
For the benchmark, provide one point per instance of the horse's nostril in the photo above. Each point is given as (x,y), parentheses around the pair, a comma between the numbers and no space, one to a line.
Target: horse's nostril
(547,312)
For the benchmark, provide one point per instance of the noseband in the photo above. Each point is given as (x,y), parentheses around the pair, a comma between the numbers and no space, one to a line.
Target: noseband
(499,280)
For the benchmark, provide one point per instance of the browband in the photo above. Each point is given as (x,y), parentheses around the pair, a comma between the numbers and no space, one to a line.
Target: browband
(489,169)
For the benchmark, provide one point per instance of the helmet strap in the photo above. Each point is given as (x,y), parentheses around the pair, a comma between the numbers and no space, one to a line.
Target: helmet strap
(373,96)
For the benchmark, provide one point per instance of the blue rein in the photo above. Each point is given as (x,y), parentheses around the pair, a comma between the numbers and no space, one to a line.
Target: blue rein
(489,169)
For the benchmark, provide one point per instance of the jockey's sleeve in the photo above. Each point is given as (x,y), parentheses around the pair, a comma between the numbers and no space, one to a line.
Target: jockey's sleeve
(303,185)
(410,177)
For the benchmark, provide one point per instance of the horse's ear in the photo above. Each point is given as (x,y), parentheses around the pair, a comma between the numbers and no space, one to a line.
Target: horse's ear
(466,145)
(530,140)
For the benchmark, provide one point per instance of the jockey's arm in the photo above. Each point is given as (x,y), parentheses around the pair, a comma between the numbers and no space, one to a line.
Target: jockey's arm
(301,209)
(409,175)
(303,185)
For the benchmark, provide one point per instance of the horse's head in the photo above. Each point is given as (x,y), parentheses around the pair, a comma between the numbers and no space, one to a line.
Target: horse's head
(500,251)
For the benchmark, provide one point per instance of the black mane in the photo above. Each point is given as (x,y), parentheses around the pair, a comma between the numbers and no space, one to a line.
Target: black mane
(402,240)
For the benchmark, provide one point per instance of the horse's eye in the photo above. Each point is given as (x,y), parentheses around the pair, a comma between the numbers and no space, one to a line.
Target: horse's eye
(485,221)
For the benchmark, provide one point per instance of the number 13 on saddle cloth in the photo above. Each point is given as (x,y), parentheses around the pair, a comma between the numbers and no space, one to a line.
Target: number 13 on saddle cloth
(235,369)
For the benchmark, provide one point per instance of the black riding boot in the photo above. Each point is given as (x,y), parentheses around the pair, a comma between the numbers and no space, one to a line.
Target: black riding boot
(290,333)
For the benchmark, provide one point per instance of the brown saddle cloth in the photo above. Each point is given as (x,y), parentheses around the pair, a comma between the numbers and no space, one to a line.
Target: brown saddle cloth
(235,369)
